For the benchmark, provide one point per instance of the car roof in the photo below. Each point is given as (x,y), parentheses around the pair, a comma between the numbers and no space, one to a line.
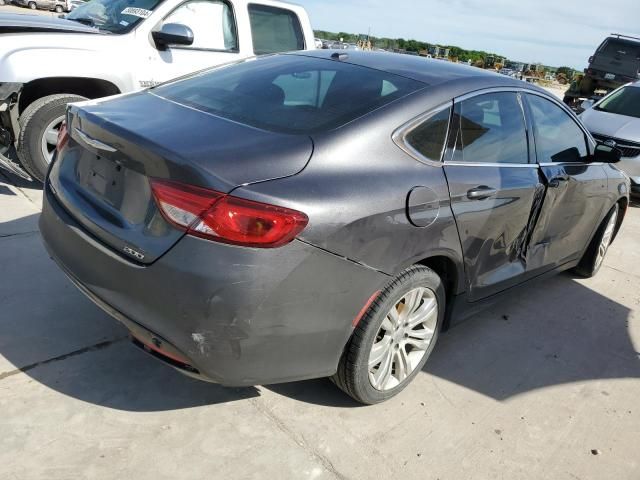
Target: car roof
(429,71)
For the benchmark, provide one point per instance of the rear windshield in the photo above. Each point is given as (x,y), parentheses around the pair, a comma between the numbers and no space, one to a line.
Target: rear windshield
(621,50)
(289,93)
(625,101)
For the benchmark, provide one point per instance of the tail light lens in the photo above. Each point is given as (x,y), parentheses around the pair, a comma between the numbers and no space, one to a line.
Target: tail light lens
(223,218)
(63,136)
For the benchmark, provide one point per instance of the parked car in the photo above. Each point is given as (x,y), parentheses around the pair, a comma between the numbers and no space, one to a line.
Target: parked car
(58,6)
(127,45)
(77,3)
(616,119)
(322,214)
(615,62)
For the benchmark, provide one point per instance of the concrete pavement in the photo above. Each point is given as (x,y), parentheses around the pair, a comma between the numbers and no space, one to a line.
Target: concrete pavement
(543,385)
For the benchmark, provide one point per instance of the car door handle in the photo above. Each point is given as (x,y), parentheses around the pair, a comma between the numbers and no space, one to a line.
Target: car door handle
(557,180)
(481,193)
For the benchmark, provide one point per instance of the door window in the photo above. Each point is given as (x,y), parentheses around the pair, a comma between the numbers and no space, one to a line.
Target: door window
(558,137)
(274,30)
(212,23)
(489,128)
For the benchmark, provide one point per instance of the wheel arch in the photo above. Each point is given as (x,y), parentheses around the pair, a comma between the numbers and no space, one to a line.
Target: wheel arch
(86,87)
(623,204)
(451,275)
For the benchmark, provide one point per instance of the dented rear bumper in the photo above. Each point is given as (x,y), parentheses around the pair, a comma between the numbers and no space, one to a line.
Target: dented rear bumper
(233,315)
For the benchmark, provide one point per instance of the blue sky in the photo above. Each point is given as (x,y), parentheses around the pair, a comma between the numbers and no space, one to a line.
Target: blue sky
(560,32)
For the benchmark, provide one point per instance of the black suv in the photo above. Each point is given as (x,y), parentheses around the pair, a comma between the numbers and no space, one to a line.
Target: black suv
(615,62)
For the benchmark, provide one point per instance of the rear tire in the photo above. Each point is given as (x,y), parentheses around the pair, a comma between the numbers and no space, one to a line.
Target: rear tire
(58,9)
(596,251)
(35,122)
(360,374)
(32,5)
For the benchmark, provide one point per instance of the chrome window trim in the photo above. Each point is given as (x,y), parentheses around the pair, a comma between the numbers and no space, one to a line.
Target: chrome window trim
(574,164)
(399,136)
(489,164)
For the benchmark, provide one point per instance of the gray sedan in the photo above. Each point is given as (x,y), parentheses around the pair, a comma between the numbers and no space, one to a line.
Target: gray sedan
(323,213)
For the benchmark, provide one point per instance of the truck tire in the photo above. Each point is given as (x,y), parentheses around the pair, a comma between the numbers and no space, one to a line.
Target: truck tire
(39,124)
(32,5)
(59,9)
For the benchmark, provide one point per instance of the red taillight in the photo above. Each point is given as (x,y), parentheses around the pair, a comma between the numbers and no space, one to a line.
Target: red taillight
(63,136)
(216,216)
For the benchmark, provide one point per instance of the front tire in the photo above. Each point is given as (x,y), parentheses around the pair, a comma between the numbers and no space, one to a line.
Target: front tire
(594,255)
(394,338)
(58,9)
(39,124)
(32,5)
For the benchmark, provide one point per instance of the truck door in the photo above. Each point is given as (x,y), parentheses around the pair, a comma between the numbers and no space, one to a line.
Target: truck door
(215,41)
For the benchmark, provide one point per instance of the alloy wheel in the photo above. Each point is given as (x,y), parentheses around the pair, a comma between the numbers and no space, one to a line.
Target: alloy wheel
(607,236)
(50,138)
(403,338)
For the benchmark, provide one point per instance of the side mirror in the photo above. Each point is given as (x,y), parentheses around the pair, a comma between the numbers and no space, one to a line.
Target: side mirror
(172,34)
(607,153)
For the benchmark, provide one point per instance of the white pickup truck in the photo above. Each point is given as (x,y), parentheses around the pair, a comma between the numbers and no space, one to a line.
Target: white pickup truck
(106,47)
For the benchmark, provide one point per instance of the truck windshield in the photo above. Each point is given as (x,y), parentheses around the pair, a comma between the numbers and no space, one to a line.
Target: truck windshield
(625,101)
(115,16)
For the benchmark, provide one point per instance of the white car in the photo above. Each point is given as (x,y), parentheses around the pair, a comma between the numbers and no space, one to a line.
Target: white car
(108,47)
(616,118)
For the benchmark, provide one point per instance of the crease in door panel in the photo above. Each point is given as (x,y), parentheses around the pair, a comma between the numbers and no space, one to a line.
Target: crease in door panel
(536,208)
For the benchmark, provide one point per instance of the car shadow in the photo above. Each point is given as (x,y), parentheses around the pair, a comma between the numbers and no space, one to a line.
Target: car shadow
(50,332)
(549,333)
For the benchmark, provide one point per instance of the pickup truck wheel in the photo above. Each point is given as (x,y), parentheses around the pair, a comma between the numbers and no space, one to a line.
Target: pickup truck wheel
(58,9)
(39,125)
(32,5)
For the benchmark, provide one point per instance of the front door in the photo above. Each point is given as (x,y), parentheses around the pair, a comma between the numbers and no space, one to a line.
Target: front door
(495,190)
(215,41)
(576,188)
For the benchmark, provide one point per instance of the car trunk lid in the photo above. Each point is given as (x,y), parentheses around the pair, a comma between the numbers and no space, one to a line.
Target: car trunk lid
(102,176)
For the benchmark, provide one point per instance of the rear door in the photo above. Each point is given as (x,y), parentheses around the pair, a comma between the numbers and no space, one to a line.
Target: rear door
(495,189)
(576,188)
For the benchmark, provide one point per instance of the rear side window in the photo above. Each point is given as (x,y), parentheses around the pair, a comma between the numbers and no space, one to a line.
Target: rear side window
(490,129)
(274,30)
(558,137)
(289,93)
(621,50)
(428,138)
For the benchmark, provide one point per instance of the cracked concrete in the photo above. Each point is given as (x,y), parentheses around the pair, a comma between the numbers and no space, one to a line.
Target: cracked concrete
(529,389)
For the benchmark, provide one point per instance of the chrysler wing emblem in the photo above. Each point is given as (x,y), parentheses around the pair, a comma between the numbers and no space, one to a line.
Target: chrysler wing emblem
(92,142)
